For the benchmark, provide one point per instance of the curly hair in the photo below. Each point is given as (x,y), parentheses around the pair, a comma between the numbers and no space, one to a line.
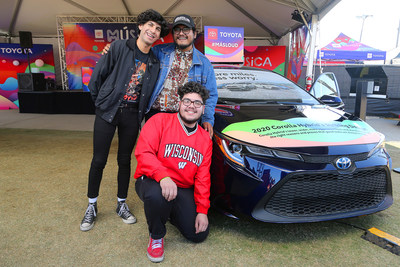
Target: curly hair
(151,14)
(193,87)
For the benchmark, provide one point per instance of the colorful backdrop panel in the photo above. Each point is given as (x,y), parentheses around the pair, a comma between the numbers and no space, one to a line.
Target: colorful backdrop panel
(13,60)
(84,43)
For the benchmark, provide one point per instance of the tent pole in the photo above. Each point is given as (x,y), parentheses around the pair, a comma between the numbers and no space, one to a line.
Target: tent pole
(309,72)
(398,32)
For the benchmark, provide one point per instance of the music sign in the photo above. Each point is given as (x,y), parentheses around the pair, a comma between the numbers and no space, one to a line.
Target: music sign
(265,57)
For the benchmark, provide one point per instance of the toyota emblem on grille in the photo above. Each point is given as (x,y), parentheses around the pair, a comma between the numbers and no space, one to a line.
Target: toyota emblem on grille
(343,163)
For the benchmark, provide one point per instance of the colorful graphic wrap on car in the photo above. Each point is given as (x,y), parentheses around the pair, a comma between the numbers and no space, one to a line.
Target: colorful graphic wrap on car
(302,132)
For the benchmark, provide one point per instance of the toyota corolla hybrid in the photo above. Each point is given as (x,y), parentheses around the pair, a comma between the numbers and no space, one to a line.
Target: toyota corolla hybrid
(282,156)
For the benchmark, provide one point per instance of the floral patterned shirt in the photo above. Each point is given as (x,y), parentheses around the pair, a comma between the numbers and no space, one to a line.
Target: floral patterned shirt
(168,99)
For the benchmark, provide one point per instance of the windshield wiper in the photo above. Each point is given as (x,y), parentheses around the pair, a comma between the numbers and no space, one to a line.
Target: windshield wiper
(227,102)
(259,102)
(276,102)
(296,103)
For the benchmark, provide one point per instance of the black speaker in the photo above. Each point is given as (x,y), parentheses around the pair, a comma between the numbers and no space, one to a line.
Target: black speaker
(31,82)
(25,39)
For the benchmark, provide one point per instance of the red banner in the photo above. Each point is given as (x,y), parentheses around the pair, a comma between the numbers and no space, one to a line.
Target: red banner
(266,57)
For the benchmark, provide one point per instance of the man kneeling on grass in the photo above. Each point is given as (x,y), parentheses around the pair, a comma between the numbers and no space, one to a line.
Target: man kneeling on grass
(173,171)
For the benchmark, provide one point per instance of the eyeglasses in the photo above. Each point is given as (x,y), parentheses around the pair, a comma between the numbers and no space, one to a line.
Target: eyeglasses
(185,30)
(196,103)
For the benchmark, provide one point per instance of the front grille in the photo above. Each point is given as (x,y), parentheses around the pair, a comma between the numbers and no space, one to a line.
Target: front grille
(319,194)
(331,158)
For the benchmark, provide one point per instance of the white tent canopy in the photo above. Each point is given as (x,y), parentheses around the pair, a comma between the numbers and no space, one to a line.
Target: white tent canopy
(270,19)
(265,22)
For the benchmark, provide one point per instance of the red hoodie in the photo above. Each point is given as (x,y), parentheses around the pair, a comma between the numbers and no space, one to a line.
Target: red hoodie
(165,148)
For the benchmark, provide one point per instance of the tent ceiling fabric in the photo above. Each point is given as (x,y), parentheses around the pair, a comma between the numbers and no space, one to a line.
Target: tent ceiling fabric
(260,18)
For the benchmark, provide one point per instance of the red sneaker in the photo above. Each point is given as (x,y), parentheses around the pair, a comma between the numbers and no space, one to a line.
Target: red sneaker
(155,250)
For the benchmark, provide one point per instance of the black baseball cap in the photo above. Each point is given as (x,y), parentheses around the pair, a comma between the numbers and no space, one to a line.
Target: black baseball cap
(184,20)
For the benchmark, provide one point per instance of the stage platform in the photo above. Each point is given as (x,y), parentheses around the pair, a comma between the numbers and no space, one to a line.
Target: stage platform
(56,102)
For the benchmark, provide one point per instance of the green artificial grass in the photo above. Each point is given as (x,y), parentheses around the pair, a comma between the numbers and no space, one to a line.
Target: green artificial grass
(43,183)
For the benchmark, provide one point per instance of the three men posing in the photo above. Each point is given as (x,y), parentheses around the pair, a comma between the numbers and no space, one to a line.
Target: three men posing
(121,85)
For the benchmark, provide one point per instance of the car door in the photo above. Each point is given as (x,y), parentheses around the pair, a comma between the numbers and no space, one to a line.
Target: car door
(326,89)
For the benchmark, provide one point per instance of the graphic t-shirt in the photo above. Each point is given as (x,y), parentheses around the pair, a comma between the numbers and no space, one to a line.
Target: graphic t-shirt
(135,85)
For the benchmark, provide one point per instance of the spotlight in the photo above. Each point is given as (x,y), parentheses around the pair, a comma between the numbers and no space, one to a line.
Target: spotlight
(297,16)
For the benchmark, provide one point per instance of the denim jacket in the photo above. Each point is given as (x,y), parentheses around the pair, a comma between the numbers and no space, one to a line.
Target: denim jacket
(201,71)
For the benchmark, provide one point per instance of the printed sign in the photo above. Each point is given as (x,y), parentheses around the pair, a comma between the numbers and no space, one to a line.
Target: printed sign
(266,57)
(13,60)
(302,132)
(224,44)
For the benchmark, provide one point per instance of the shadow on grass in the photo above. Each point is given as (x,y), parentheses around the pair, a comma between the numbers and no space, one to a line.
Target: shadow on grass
(294,232)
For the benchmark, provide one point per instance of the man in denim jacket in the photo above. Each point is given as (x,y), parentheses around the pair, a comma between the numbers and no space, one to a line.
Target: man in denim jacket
(181,62)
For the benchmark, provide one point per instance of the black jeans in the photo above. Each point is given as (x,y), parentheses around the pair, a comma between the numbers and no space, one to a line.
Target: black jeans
(126,122)
(181,211)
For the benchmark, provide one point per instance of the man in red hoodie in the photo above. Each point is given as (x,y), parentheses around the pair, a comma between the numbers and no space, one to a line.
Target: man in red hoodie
(173,171)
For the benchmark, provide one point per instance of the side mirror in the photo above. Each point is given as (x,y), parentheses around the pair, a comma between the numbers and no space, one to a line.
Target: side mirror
(326,89)
(332,101)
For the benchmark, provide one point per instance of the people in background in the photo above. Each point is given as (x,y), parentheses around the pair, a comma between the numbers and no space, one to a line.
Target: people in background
(121,85)
(173,170)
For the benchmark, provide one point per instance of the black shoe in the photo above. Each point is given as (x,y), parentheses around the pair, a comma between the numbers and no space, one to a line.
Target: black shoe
(89,218)
(124,213)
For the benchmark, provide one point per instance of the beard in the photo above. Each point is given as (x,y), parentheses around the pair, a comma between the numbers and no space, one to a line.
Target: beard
(188,121)
(183,47)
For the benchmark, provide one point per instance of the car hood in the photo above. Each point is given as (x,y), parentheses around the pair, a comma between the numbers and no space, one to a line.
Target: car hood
(291,126)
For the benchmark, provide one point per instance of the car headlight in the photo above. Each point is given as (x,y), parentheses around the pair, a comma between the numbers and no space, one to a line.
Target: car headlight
(380,145)
(235,151)
(274,153)
(232,150)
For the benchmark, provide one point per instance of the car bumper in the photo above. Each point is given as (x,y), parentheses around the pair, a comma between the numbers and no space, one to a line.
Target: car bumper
(309,197)
(314,192)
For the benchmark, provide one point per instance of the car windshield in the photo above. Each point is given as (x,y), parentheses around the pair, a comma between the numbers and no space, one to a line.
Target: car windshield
(246,86)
